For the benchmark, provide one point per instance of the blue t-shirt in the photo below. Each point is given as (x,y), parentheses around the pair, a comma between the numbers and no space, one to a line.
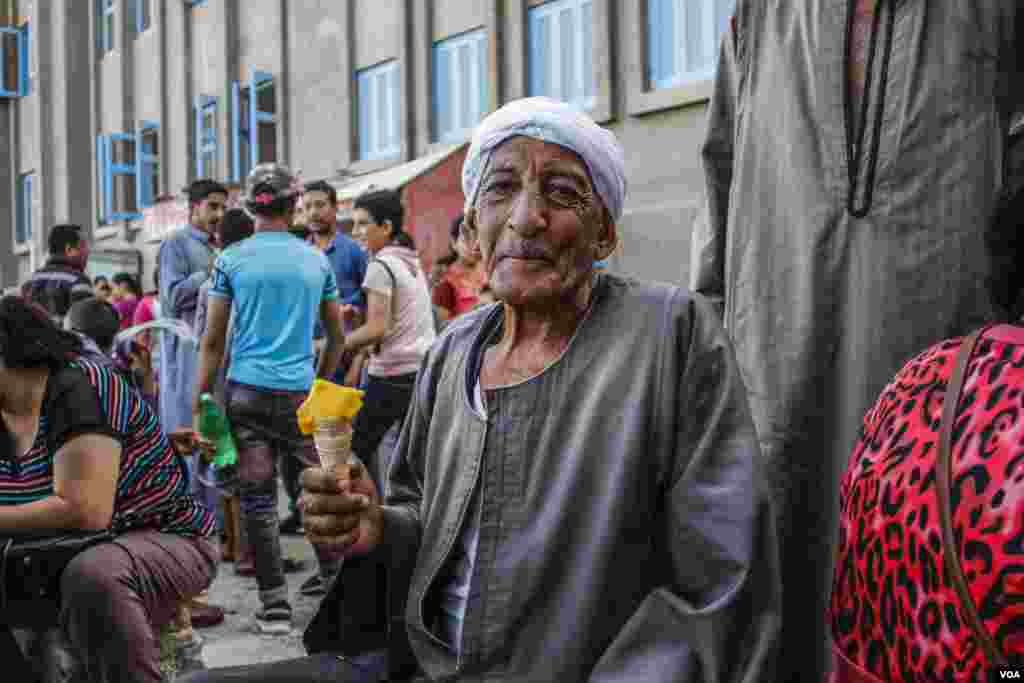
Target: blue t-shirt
(276,283)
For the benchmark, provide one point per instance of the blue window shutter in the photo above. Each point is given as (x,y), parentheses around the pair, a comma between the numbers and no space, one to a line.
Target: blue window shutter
(108,180)
(236,133)
(29,181)
(24,50)
(483,84)
(537,59)
(197,112)
(99,179)
(139,169)
(586,35)
(442,92)
(20,86)
(395,100)
(254,152)
(365,107)
(258,78)
(19,211)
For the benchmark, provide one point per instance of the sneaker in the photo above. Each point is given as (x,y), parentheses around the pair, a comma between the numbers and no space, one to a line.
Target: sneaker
(314,586)
(275,618)
(292,525)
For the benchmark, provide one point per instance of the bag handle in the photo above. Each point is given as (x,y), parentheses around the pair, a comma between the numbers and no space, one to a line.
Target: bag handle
(943,477)
(391,299)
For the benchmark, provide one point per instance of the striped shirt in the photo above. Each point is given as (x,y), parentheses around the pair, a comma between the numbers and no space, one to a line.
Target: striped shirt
(86,397)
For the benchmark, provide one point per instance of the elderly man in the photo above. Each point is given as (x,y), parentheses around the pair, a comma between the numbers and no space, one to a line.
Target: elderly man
(576,493)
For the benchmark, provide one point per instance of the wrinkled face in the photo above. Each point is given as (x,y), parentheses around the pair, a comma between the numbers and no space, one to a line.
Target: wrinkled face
(207,214)
(375,235)
(321,214)
(539,223)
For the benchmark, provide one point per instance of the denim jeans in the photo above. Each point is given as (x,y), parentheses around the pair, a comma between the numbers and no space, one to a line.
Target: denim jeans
(266,432)
(384,404)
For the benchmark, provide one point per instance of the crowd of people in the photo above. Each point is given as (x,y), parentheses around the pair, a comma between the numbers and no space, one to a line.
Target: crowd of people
(279,292)
(807,468)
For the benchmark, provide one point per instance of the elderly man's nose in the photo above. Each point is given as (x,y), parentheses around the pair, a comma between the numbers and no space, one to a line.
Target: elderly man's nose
(527,213)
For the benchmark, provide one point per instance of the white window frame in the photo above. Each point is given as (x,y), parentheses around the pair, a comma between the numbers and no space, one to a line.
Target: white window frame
(583,34)
(375,143)
(471,88)
(687,68)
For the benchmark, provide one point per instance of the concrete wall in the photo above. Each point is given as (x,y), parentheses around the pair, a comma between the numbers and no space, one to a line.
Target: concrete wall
(378,31)
(321,87)
(314,48)
(177,125)
(452,17)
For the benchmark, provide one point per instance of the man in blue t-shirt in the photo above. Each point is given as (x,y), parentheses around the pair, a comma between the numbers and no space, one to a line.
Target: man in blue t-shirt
(279,287)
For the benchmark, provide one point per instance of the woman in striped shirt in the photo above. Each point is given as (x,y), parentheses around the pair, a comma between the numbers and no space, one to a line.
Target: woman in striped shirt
(81,449)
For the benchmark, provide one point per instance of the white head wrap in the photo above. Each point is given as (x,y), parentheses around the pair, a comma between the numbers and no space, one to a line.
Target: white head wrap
(556,122)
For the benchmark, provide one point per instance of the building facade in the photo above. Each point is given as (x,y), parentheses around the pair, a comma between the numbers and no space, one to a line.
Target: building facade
(108,107)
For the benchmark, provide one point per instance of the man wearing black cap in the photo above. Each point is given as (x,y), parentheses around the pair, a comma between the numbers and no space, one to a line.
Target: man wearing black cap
(276,287)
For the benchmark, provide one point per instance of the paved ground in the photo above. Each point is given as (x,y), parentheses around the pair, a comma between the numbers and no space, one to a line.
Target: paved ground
(236,642)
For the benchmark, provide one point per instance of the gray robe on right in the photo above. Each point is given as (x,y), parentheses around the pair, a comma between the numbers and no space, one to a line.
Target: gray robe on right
(832,273)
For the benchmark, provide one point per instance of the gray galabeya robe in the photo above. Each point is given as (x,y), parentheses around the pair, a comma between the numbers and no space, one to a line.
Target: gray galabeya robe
(625,533)
(834,267)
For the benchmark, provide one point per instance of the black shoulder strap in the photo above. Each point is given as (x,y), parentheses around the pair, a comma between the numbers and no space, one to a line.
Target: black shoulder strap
(943,476)
(392,310)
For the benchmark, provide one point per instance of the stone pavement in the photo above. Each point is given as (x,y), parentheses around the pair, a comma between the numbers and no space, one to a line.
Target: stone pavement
(236,641)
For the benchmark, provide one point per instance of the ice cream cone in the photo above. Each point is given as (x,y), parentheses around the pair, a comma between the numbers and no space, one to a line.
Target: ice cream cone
(333,440)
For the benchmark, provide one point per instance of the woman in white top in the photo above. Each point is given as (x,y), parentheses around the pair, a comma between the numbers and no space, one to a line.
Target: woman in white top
(399,323)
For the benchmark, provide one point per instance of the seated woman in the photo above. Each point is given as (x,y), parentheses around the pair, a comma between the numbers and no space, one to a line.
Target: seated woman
(81,449)
(896,611)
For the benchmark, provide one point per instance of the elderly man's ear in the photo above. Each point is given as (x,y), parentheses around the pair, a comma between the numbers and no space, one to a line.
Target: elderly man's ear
(607,240)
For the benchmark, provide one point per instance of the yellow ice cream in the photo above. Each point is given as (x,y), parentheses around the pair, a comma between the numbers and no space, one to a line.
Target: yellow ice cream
(328,400)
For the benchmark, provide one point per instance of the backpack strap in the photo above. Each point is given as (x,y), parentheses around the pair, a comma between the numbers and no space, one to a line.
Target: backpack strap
(392,308)
(943,486)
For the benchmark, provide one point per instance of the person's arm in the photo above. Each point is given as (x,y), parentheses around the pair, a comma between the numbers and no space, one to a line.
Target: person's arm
(378,311)
(86,464)
(85,472)
(330,313)
(707,264)
(212,346)
(202,303)
(178,285)
(717,616)
(355,370)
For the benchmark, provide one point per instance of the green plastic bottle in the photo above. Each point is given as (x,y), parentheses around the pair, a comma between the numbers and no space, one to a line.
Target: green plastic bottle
(214,425)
